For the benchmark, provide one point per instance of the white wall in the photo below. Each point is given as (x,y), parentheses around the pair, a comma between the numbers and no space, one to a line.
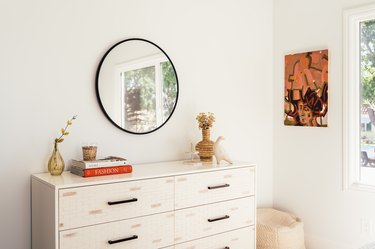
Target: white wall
(49,51)
(308,161)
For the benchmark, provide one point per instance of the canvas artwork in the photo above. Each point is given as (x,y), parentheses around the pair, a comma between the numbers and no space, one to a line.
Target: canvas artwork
(306,89)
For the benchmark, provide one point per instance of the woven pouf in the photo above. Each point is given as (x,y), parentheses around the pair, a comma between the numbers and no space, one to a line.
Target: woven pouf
(279,230)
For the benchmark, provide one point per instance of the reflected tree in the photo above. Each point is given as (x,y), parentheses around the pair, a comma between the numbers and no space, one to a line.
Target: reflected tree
(169,88)
(140,99)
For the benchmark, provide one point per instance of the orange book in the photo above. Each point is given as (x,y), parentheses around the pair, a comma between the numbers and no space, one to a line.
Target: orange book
(122,169)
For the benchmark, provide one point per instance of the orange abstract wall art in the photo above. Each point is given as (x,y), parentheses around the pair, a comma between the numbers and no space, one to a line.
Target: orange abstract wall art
(306,89)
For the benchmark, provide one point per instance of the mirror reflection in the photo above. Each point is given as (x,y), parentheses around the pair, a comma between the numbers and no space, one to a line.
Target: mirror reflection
(137,86)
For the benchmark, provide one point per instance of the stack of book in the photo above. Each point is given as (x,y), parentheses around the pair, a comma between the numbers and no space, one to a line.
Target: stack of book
(111,166)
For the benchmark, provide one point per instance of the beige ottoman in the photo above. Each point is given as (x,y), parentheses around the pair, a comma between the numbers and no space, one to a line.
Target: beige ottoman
(279,230)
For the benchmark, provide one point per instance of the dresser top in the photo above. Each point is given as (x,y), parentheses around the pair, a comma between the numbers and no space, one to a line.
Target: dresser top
(140,172)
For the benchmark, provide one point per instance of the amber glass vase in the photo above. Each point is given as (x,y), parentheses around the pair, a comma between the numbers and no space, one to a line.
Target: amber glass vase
(205,147)
(56,163)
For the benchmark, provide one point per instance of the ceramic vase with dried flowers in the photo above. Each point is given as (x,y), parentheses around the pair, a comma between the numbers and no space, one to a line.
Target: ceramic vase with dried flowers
(56,163)
(206,146)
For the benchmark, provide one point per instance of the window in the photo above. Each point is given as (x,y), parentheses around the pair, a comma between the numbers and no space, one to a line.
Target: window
(359,98)
(148,90)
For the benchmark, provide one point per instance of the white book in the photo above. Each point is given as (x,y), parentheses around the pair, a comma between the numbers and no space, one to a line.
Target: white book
(98,163)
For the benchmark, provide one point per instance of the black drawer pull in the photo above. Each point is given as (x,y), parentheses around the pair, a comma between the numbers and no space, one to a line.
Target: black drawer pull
(220,218)
(123,201)
(219,186)
(122,240)
(227,247)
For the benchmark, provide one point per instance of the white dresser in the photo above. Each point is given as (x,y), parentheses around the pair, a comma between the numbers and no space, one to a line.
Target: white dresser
(171,205)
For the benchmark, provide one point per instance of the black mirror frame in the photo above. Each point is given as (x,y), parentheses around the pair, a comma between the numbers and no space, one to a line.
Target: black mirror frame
(97,86)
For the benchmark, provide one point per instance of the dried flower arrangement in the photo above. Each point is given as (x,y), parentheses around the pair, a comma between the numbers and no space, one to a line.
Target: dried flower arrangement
(205,121)
(64,130)
(56,163)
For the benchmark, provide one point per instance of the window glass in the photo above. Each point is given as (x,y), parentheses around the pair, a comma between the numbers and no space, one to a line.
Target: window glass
(367,101)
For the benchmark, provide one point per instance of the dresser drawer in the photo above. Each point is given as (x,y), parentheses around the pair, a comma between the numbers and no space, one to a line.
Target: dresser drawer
(198,189)
(151,232)
(237,239)
(197,222)
(110,202)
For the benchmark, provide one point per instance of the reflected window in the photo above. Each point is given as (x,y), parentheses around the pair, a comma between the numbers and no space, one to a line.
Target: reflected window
(149,90)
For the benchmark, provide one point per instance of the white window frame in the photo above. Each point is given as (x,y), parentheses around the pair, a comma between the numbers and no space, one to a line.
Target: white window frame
(351,95)
(155,61)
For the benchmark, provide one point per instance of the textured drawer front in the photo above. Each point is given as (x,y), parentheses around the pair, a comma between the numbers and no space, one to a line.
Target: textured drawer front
(193,223)
(237,239)
(90,205)
(152,232)
(198,189)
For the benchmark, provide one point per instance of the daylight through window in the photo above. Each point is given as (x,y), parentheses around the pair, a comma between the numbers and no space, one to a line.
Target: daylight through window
(367,101)
(359,97)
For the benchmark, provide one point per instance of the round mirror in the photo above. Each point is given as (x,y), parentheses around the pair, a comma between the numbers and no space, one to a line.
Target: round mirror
(137,86)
